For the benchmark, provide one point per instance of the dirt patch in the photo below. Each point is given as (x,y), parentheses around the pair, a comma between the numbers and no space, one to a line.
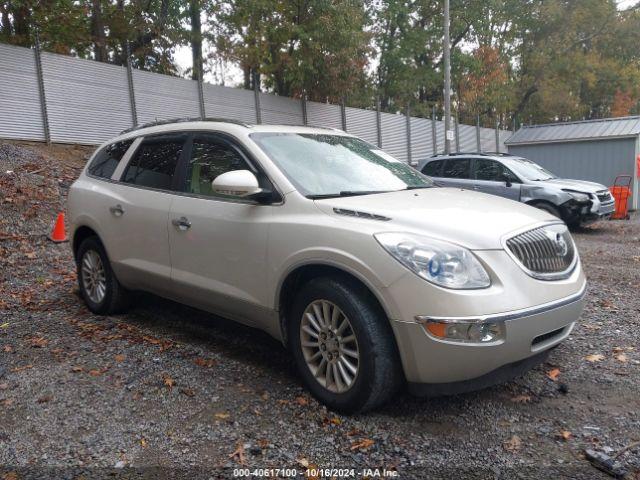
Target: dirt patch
(173,387)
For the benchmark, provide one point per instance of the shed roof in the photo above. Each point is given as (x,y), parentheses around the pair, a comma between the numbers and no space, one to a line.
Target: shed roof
(574,131)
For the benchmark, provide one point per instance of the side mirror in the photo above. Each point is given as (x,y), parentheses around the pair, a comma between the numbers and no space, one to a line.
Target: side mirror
(506,179)
(238,183)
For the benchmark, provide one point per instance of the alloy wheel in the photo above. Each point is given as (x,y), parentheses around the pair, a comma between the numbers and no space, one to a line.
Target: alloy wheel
(329,346)
(94,279)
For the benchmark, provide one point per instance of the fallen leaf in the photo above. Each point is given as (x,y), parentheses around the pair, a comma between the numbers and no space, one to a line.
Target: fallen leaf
(221,415)
(353,432)
(264,396)
(10,476)
(95,372)
(303,401)
(120,358)
(143,443)
(521,399)
(565,434)
(38,342)
(20,369)
(188,392)
(513,444)
(239,454)
(4,386)
(45,399)
(596,357)
(6,402)
(168,381)
(553,374)
(7,349)
(363,444)
(622,358)
(204,362)
(77,369)
(304,462)
(30,255)
(4,325)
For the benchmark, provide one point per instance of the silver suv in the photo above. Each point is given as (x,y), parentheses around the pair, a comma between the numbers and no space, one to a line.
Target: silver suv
(369,274)
(574,201)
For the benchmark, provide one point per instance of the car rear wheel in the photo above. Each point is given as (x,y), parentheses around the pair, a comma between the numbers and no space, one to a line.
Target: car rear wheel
(343,345)
(99,287)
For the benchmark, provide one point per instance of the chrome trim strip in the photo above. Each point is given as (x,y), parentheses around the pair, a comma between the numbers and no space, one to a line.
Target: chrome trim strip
(512,315)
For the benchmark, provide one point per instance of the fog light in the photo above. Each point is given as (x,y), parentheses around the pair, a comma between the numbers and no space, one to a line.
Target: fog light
(465,332)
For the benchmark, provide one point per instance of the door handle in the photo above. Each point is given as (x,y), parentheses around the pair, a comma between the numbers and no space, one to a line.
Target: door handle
(182,223)
(117,210)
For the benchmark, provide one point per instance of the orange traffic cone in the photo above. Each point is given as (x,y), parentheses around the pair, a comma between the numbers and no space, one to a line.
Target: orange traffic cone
(58,234)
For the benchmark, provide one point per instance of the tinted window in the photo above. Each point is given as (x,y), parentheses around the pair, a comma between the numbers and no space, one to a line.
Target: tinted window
(209,159)
(433,169)
(154,163)
(489,170)
(457,168)
(107,159)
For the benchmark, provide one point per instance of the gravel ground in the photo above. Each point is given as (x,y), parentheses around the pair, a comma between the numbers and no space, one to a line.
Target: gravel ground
(167,390)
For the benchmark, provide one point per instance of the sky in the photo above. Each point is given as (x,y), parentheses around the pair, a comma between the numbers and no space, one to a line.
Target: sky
(233,76)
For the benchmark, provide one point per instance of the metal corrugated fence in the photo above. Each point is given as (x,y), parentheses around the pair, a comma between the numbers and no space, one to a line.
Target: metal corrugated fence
(89,102)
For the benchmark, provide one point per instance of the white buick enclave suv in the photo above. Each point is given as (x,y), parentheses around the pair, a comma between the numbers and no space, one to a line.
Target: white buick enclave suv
(369,274)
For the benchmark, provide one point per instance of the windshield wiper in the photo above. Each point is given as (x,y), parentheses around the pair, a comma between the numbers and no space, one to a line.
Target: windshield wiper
(346,193)
(418,187)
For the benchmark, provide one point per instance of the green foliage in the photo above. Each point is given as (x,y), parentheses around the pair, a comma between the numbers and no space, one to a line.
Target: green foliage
(528,60)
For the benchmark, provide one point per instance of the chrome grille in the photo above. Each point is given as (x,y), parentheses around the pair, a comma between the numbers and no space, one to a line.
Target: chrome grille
(546,252)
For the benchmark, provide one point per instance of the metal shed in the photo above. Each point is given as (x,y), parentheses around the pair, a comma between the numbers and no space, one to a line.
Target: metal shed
(595,150)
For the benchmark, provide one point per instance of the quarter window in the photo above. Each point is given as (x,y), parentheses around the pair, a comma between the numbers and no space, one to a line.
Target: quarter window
(210,158)
(457,168)
(107,159)
(154,163)
(433,169)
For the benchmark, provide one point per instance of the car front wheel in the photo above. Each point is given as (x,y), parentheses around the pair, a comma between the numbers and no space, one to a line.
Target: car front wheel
(343,345)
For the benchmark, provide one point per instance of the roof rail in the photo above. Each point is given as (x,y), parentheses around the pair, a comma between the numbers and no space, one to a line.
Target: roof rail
(183,120)
(483,154)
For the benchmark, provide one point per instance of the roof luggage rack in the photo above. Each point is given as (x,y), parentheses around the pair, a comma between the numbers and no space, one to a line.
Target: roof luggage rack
(483,154)
(183,120)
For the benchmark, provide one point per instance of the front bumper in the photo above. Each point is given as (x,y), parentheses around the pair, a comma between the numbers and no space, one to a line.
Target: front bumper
(440,366)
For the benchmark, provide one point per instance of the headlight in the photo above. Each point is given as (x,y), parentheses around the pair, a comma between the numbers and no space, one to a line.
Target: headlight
(578,196)
(442,263)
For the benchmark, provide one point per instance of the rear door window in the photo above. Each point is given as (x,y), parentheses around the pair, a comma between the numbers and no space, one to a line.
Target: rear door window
(154,163)
(457,168)
(433,169)
(106,160)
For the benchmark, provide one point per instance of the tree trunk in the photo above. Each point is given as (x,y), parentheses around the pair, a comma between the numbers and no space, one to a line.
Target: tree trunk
(22,25)
(97,32)
(5,31)
(196,39)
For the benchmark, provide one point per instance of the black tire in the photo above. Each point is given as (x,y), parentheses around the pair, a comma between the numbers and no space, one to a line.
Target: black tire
(379,372)
(547,207)
(116,298)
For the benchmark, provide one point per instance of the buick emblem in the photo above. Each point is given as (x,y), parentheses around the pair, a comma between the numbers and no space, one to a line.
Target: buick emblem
(559,243)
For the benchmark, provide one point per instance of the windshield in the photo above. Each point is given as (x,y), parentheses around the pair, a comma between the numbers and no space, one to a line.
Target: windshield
(529,170)
(328,165)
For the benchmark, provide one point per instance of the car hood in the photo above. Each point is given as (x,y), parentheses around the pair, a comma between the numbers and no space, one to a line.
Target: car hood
(577,185)
(474,220)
